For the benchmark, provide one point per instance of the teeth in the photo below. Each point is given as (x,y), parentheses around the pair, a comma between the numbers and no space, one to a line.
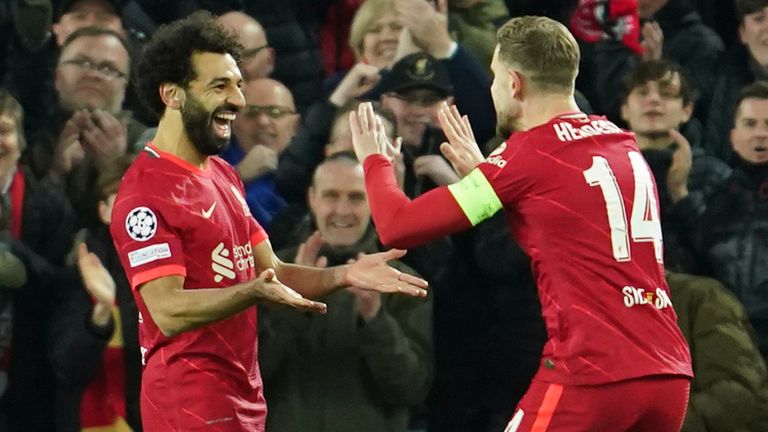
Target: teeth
(227,117)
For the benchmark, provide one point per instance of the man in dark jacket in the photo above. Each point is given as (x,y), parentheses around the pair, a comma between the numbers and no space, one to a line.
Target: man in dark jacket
(743,65)
(359,367)
(733,231)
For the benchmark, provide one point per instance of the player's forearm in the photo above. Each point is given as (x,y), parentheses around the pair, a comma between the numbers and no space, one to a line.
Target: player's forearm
(403,223)
(312,282)
(189,309)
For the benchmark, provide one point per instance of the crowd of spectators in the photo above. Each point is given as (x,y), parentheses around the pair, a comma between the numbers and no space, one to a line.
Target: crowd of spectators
(688,77)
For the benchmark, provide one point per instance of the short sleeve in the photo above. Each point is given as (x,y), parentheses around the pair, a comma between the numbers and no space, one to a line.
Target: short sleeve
(144,229)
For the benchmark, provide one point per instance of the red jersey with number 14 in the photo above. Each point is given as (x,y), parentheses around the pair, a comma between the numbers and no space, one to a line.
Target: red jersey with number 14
(172,218)
(582,202)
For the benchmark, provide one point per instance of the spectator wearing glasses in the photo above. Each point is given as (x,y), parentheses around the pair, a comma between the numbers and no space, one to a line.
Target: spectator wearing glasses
(31,68)
(262,130)
(90,128)
(258,58)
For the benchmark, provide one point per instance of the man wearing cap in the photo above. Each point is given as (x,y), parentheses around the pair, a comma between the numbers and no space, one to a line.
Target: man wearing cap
(414,90)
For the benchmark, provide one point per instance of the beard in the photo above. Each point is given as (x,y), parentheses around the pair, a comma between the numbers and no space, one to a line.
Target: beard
(198,123)
(505,124)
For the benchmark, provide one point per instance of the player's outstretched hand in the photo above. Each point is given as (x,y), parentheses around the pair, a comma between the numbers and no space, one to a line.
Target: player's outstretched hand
(461,149)
(274,291)
(371,272)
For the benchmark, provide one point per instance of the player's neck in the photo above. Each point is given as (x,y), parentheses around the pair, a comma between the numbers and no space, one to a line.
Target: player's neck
(171,137)
(543,109)
(653,141)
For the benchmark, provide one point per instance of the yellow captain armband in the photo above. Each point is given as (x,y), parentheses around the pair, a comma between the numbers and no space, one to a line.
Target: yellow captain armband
(476,197)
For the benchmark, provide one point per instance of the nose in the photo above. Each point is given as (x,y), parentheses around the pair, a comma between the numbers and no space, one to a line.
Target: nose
(390,33)
(237,98)
(653,96)
(344,207)
(761,131)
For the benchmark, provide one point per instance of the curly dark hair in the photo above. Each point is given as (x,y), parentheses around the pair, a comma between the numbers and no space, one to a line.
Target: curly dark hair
(167,57)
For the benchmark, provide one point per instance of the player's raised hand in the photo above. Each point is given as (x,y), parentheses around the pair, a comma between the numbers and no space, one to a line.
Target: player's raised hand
(368,134)
(461,150)
(274,291)
(371,272)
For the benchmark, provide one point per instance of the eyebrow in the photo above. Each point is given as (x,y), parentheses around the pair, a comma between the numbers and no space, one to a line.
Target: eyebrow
(222,80)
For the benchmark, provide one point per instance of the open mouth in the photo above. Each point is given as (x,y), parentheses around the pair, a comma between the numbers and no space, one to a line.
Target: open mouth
(341,225)
(222,124)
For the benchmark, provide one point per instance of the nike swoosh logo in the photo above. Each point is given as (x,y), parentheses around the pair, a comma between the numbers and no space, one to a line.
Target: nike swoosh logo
(207,213)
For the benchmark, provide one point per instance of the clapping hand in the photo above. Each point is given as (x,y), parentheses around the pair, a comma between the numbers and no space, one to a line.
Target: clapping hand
(682,160)
(99,284)
(258,161)
(308,252)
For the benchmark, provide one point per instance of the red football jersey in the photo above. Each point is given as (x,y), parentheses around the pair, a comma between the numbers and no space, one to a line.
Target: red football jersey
(172,218)
(583,204)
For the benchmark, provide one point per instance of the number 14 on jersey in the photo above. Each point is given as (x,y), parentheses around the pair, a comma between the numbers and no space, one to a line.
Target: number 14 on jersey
(644,220)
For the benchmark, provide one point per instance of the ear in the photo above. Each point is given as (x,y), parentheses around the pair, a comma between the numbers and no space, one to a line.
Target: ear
(105,215)
(687,112)
(516,83)
(296,123)
(741,33)
(623,114)
(271,55)
(311,198)
(173,95)
(56,30)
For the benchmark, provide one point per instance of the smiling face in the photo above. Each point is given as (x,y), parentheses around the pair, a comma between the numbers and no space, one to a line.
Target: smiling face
(212,101)
(380,41)
(338,200)
(10,143)
(655,107)
(749,136)
(270,117)
(81,82)
(753,33)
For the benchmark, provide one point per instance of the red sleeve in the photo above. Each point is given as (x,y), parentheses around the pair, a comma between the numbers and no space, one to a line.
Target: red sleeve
(145,238)
(404,223)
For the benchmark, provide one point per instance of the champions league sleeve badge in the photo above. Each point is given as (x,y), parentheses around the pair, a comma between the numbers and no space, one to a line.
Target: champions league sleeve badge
(141,224)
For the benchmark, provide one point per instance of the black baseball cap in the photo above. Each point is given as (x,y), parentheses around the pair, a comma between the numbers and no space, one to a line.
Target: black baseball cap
(418,70)
(66,5)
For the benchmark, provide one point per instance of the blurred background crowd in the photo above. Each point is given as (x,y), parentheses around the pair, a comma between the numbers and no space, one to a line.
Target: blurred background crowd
(688,77)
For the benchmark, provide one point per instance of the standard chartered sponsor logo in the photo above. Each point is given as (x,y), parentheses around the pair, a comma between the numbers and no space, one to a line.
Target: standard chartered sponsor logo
(639,296)
(224,263)
(221,264)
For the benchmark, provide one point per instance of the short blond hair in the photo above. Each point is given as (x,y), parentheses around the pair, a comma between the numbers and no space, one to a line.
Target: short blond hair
(11,107)
(366,14)
(543,49)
